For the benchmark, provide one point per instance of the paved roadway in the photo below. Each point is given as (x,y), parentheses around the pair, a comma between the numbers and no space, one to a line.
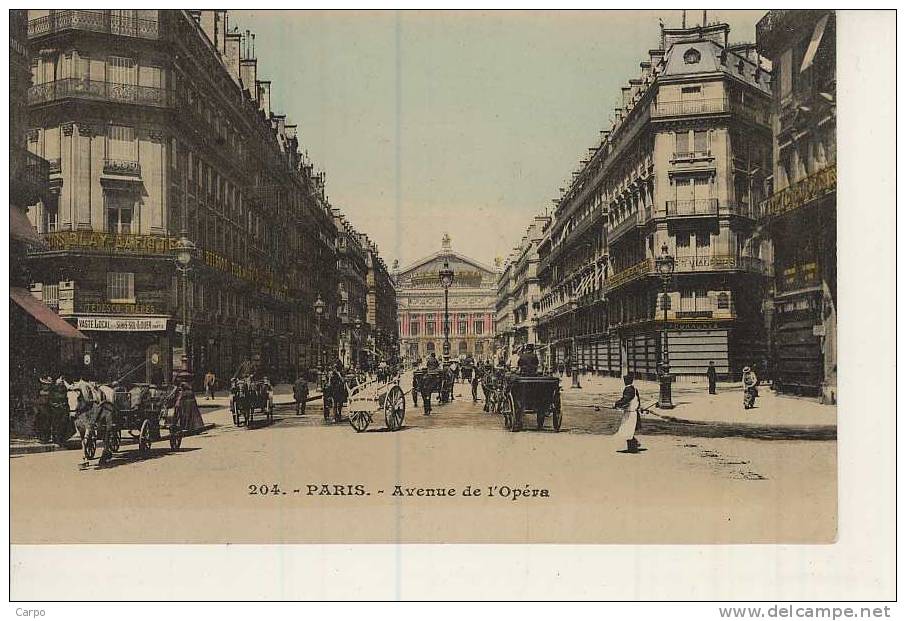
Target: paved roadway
(688,486)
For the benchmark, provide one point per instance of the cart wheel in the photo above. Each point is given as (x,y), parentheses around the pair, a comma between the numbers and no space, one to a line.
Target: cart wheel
(359,421)
(556,414)
(175,438)
(144,438)
(506,407)
(113,440)
(517,416)
(91,444)
(394,408)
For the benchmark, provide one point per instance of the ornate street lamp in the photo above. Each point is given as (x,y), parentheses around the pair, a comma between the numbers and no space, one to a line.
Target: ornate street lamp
(446,279)
(357,342)
(665,265)
(184,253)
(319,310)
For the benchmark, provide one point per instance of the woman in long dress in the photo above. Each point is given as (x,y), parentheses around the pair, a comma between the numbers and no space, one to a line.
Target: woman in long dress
(630,403)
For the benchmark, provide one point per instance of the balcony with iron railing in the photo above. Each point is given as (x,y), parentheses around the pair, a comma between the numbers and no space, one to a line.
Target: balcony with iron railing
(29,175)
(715,105)
(801,193)
(692,207)
(129,168)
(719,263)
(688,107)
(94,21)
(635,219)
(95,90)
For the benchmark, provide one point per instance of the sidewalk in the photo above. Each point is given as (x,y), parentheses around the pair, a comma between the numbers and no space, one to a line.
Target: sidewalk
(694,404)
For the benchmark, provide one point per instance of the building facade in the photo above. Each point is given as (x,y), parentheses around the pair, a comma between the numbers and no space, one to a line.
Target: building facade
(420,299)
(503,318)
(683,167)
(157,126)
(381,317)
(800,216)
(519,292)
(352,288)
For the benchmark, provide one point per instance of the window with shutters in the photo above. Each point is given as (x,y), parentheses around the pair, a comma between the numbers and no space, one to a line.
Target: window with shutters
(51,294)
(119,207)
(121,70)
(121,143)
(121,287)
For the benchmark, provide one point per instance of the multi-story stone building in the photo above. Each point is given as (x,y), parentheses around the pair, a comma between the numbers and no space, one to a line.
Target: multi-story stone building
(800,217)
(420,298)
(503,317)
(682,167)
(382,317)
(353,292)
(40,342)
(518,292)
(156,126)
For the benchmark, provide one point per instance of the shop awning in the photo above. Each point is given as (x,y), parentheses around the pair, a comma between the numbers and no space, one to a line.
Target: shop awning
(813,45)
(20,228)
(37,309)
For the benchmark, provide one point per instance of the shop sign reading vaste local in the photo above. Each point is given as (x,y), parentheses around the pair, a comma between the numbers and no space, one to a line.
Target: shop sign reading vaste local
(123,324)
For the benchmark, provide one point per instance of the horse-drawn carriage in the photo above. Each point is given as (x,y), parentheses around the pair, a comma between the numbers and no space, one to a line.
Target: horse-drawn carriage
(142,409)
(104,412)
(526,394)
(248,395)
(368,398)
(428,381)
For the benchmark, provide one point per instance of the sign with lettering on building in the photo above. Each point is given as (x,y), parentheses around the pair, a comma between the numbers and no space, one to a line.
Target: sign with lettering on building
(123,324)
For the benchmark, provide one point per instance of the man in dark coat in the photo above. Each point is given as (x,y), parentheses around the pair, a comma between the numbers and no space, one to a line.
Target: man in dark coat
(528,361)
(432,362)
(712,379)
(300,393)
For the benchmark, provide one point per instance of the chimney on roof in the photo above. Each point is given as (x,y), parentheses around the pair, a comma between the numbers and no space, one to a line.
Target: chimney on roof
(264,98)
(231,56)
(627,95)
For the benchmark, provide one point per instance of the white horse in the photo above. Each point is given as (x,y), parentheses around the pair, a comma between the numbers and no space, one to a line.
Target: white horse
(91,406)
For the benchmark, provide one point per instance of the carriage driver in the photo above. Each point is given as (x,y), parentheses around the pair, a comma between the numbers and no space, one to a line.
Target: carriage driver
(528,360)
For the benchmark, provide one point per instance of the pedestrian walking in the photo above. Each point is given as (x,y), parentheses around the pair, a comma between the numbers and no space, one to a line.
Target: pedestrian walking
(712,379)
(630,403)
(210,383)
(300,393)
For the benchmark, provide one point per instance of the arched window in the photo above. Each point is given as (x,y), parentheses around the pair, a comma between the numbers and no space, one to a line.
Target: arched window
(692,56)
(429,347)
(463,347)
(479,347)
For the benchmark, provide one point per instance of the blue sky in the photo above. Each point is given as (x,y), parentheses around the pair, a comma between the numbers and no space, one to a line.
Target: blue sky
(466,122)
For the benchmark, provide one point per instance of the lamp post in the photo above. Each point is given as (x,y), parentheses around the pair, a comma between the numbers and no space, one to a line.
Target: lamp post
(665,265)
(574,371)
(357,342)
(319,310)
(185,253)
(446,279)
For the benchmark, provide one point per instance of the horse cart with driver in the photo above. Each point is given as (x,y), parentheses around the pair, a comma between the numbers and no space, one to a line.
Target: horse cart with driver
(249,395)
(530,394)
(142,409)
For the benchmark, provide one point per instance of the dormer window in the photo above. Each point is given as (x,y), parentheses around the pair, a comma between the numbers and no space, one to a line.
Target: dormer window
(692,56)
(741,67)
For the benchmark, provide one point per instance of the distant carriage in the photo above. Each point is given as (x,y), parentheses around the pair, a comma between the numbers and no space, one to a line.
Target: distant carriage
(248,396)
(429,381)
